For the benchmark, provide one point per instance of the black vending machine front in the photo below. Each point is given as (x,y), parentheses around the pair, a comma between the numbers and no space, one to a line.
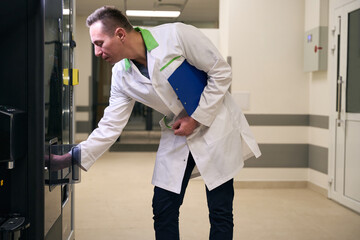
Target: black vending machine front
(36,119)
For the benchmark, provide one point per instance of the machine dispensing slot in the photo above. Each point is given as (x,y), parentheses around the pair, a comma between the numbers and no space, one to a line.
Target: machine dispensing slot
(54,177)
(69,174)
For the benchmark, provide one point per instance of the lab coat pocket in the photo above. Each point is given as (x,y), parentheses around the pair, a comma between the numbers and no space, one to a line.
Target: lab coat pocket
(221,127)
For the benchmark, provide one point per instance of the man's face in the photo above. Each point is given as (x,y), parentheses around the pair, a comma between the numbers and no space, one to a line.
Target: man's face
(109,48)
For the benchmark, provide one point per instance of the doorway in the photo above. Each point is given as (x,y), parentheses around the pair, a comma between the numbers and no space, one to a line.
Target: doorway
(345,163)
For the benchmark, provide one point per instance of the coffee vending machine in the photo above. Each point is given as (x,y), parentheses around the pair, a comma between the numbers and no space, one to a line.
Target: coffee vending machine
(37,78)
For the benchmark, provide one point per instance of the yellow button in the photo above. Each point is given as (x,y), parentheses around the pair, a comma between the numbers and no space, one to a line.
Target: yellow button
(75,74)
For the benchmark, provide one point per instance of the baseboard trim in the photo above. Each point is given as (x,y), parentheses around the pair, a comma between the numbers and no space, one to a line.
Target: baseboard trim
(270,184)
(318,189)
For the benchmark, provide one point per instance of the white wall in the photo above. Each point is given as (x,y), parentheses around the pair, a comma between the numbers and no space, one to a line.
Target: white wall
(265,40)
(316,15)
(83,59)
(224,24)
(265,43)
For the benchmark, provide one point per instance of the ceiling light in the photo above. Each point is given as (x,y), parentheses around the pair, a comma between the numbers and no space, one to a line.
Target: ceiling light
(141,13)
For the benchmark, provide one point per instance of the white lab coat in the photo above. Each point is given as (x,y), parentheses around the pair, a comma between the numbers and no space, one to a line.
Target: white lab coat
(222,141)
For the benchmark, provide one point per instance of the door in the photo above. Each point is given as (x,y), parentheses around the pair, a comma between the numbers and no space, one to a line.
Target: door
(68,45)
(58,97)
(345,187)
(53,112)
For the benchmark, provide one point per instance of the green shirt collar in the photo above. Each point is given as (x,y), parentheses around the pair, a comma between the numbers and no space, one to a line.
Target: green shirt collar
(149,40)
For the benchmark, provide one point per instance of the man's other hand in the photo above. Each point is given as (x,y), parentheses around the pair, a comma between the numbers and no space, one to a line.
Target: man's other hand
(185,126)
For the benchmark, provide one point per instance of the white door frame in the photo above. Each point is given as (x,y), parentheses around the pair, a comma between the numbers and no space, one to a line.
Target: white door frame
(336,186)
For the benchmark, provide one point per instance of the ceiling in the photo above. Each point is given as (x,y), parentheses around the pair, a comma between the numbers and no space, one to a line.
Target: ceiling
(201,13)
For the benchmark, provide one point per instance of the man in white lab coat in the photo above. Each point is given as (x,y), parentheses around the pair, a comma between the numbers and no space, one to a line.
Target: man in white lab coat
(215,138)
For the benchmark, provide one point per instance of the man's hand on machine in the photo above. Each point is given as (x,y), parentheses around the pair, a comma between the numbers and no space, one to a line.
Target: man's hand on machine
(58,161)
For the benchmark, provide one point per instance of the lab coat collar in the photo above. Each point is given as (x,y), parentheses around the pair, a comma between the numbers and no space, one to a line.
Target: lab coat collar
(149,40)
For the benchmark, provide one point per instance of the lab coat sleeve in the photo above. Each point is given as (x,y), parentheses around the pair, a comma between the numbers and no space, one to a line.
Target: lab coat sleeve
(115,117)
(201,53)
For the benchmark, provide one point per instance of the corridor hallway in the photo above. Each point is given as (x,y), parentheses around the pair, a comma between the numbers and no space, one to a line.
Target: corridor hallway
(113,202)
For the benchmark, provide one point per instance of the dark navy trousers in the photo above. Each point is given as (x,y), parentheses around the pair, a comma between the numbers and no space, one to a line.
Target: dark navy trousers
(166,207)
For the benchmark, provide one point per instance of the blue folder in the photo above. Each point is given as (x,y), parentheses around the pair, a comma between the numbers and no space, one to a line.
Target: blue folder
(188,83)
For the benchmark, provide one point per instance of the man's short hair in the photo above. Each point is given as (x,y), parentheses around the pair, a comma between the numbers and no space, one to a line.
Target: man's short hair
(111,18)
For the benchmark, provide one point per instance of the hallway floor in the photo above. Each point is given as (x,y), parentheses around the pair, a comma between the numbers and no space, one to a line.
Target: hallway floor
(113,202)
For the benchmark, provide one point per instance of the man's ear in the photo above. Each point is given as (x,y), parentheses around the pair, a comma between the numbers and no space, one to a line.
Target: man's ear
(120,33)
